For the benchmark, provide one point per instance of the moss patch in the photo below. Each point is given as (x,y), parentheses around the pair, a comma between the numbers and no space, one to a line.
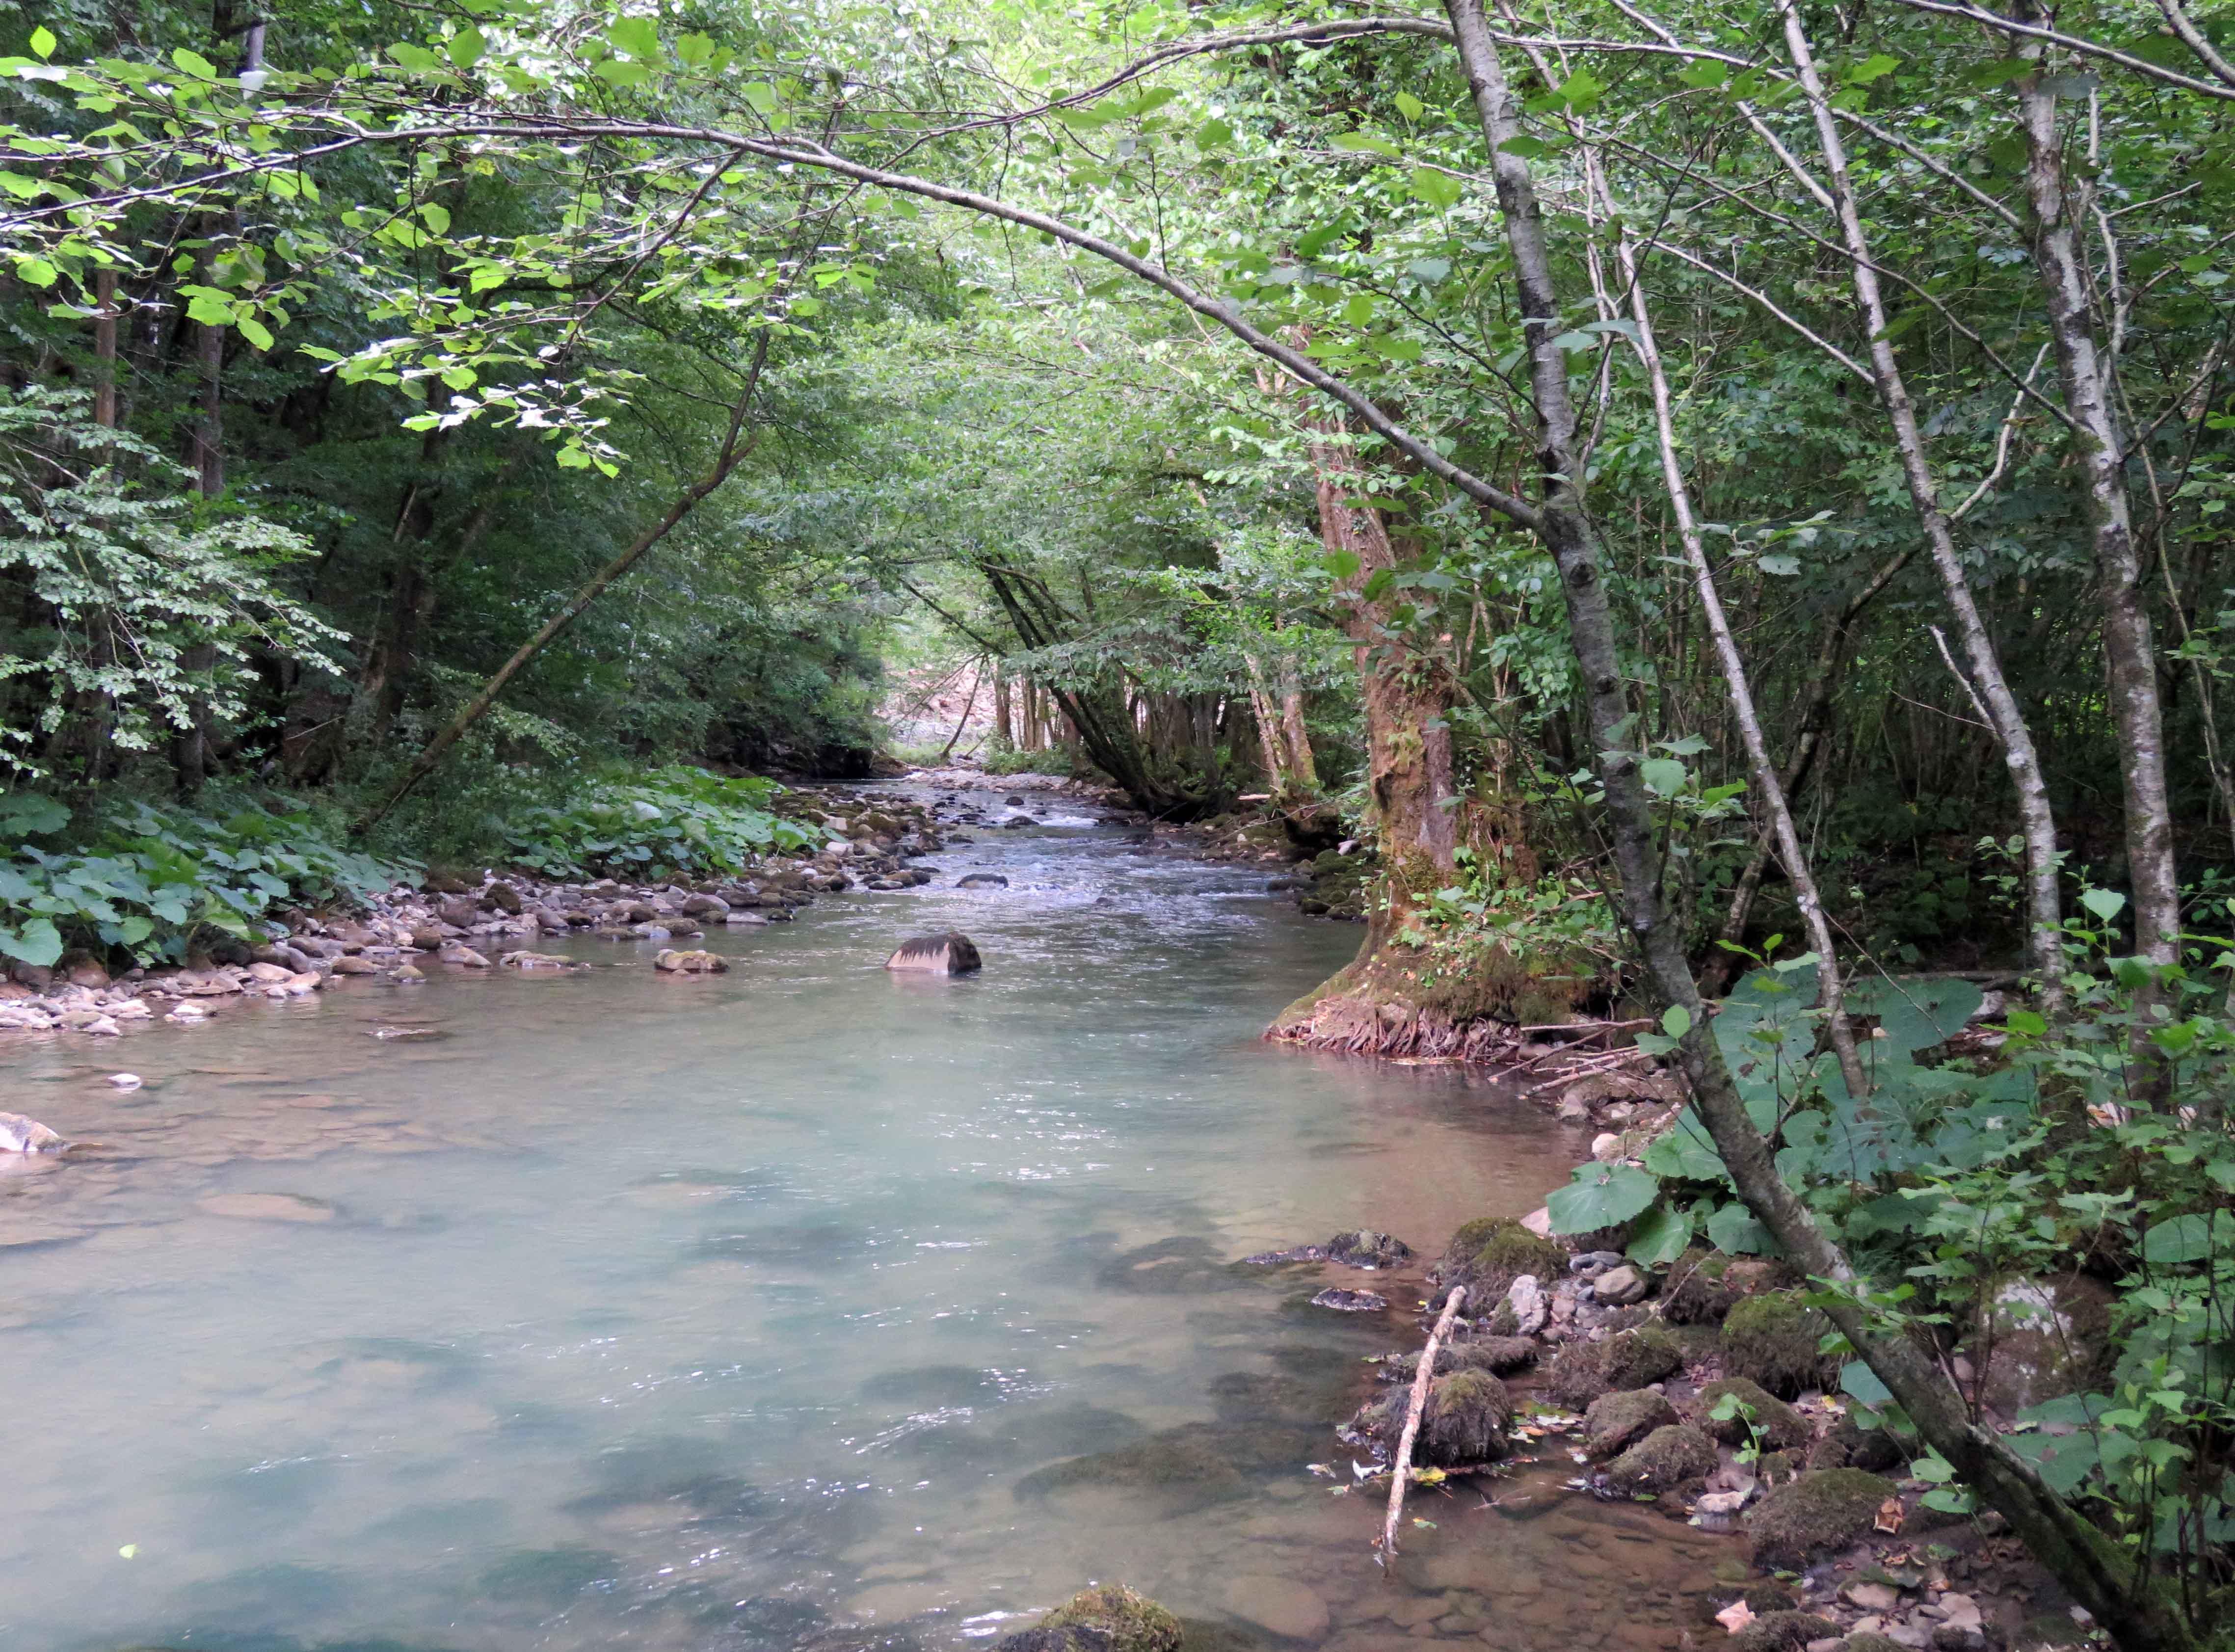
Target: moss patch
(1133,1622)
(1773,1340)
(1783,1632)
(1497,1354)
(1583,1371)
(1668,1458)
(1771,1421)
(1617,1421)
(1489,1253)
(1464,1421)
(1796,1524)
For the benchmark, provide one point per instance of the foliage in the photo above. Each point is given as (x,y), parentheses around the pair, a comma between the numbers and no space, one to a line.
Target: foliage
(152,882)
(676,821)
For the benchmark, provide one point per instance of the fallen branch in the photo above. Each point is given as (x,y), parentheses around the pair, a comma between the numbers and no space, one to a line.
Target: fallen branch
(1401,1467)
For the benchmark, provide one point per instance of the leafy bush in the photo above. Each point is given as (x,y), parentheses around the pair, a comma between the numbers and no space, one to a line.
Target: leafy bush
(1054,760)
(664,823)
(147,881)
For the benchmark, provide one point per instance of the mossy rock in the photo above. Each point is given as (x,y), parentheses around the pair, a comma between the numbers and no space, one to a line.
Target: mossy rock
(1646,1355)
(1783,1632)
(1799,1524)
(1696,1291)
(1464,1421)
(1490,1253)
(1773,1423)
(1583,1371)
(1497,1354)
(1773,1340)
(1665,1459)
(1867,1643)
(1133,1622)
(1850,1446)
(1617,1421)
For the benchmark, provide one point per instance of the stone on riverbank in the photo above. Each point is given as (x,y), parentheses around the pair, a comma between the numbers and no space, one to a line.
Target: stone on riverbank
(1583,1371)
(1463,1423)
(952,953)
(1617,1421)
(1773,1340)
(1797,1523)
(1489,1253)
(1350,1302)
(1783,1632)
(1665,1460)
(1760,1415)
(21,1135)
(1498,1355)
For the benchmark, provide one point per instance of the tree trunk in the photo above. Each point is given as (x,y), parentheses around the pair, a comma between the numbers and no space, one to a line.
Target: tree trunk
(2044,904)
(2129,651)
(104,349)
(1392,1000)
(1292,724)
(1004,732)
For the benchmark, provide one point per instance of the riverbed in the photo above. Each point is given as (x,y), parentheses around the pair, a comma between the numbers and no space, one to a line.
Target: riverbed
(800,1304)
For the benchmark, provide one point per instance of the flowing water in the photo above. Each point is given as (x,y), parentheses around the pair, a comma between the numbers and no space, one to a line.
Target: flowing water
(800,1304)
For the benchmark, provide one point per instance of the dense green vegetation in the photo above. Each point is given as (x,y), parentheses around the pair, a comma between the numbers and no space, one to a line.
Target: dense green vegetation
(1697,488)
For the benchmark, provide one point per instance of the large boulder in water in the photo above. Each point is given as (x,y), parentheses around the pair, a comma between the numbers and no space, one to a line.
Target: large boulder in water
(948,954)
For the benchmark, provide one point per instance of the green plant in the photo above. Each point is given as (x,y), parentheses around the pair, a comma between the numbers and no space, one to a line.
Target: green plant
(148,880)
(672,822)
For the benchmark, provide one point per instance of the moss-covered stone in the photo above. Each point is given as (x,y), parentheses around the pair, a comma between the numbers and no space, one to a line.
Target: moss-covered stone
(1678,1455)
(1464,1421)
(1646,1355)
(1694,1291)
(1489,1253)
(1583,1371)
(1868,1643)
(1850,1446)
(1762,1416)
(1783,1632)
(1799,1524)
(1773,1340)
(1133,1622)
(1617,1421)
(1497,1354)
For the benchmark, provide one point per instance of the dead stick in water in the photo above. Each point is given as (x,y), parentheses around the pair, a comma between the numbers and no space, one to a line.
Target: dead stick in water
(1403,1467)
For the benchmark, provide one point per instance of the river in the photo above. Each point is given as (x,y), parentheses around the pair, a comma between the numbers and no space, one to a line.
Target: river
(731,1313)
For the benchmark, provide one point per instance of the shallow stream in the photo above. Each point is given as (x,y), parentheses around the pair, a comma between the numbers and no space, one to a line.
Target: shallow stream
(731,1313)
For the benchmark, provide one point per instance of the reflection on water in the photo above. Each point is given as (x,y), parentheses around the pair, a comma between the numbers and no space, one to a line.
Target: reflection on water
(744,1311)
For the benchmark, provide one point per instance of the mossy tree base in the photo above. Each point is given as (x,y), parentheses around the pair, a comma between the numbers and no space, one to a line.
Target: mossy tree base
(1399,1002)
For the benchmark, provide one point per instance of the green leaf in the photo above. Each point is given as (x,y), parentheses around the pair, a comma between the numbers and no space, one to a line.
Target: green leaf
(1526,148)
(467,47)
(1367,143)
(1859,1382)
(1685,1151)
(759,97)
(43,42)
(2189,1238)
(1661,1236)
(1733,1229)
(1439,189)
(1601,1195)
(1663,776)
(1581,90)
(1408,106)
(1213,135)
(621,71)
(254,331)
(1705,73)
(1676,1020)
(1874,67)
(37,942)
(638,36)
(36,271)
(1398,349)
(195,63)
(2105,904)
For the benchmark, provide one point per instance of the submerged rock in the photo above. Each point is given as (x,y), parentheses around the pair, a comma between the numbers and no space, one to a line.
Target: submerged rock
(1128,1622)
(1668,1457)
(1463,1423)
(690,963)
(952,953)
(21,1135)
(1350,1302)
(1617,1421)
(982,881)
(1361,1249)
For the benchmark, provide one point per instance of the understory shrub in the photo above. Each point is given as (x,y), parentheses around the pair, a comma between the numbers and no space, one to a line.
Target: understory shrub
(666,823)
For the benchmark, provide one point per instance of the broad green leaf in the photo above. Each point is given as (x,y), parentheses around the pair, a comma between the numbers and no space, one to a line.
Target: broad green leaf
(1408,106)
(1685,1150)
(195,63)
(1663,776)
(43,42)
(759,96)
(2105,904)
(1676,1020)
(1733,1229)
(467,47)
(1659,1236)
(36,942)
(1601,1195)
(638,36)
(254,331)
(1367,143)
(1439,189)
(1705,73)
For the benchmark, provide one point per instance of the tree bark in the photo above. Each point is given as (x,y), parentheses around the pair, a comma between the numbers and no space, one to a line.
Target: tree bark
(104,349)
(1292,722)
(2044,904)
(2129,651)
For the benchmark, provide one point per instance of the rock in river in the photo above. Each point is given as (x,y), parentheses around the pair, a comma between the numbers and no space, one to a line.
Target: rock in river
(21,1135)
(690,963)
(948,954)
(1350,1302)
(982,881)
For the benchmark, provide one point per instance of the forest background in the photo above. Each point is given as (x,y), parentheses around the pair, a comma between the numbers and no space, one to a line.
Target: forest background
(1695,488)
